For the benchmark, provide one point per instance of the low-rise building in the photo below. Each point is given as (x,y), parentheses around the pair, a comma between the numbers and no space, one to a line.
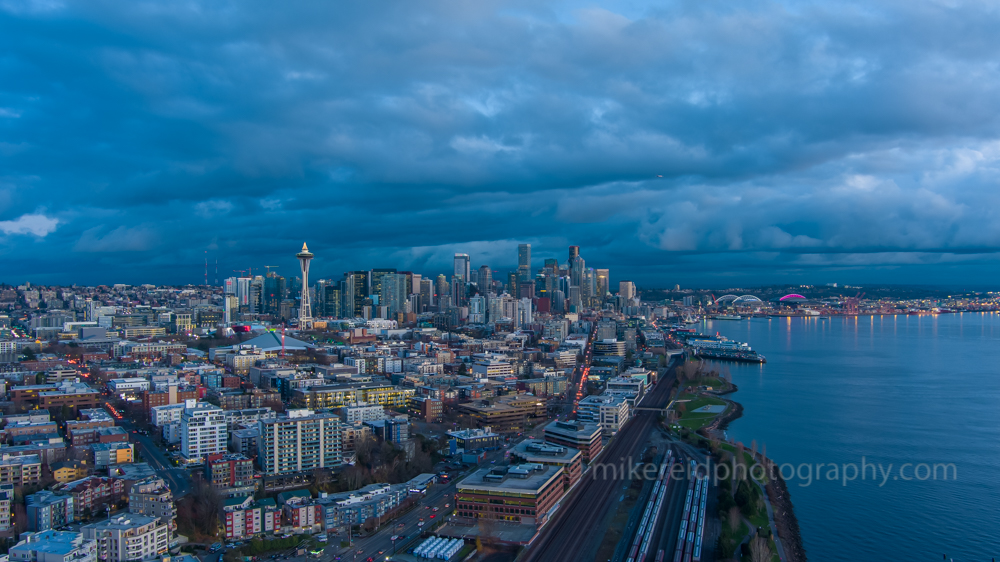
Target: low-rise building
(361,413)
(104,455)
(354,508)
(54,546)
(298,511)
(540,452)
(392,430)
(153,497)
(231,472)
(243,517)
(128,537)
(609,412)
(48,510)
(585,437)
(6,497)
(523,493)
(92,493)
(23,470)
(503,418)
(476,439)
(130,387)
(244,441)
(68,471)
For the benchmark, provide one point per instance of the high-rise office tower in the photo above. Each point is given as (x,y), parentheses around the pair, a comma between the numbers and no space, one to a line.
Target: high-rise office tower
(375,284)
(524,262)
(603,280)
(274,293)
(574,252)
(441,286)
(393,294)
(576,272)
(256,295)
(485,281)
(426,295)
(354,293)
(413,283)
(305,304)
(462,266)
(626,289)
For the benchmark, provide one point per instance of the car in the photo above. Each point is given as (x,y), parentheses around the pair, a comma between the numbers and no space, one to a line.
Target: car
(401,525)
(394,538)
(421,524)
(435,509)
(360,551)
(432,516)
(427,507)
(447,505)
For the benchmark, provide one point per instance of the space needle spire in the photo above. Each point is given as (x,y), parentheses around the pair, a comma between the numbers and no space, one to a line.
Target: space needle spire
(305,306)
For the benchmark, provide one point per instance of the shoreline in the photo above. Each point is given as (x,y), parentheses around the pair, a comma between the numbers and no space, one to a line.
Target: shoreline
(787,525)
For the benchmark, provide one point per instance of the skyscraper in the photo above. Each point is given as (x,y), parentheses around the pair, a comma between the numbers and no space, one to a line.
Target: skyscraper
(375,288)
(354,293)
(626,289)
(524,262)
(462,266)
(574,252)
(305,306)
(485,280)
(602,281)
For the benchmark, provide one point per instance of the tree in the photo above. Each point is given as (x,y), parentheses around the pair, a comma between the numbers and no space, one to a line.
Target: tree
(734,518)
(29,354)
(760,550)
(205,507)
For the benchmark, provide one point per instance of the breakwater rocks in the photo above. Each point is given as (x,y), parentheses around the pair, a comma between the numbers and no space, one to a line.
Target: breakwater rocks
(784,519)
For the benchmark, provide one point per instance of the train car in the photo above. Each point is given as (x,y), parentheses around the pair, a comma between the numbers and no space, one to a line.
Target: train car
(659,555)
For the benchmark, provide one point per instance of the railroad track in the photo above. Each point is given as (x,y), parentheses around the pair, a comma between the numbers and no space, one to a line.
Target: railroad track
(568,535)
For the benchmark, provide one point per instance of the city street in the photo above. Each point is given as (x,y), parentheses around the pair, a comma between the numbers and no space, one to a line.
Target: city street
(436,496)
(178,479)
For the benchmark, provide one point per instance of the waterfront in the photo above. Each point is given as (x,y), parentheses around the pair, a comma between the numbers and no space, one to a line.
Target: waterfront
(892,389)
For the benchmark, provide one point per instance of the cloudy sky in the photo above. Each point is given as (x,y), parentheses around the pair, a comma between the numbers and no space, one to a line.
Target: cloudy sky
(700,142)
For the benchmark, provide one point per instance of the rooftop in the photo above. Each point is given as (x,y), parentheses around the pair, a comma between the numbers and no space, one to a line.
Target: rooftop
(526,479)
(60,543)
(123,522)
(539,451)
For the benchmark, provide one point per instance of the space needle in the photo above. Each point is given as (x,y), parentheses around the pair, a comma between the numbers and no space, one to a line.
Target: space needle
(305,307)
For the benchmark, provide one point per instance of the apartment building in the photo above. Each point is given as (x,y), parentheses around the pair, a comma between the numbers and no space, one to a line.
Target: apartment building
(299,441)
(128,537)
(203,432)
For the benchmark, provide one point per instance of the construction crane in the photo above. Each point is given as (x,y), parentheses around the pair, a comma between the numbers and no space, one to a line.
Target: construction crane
(268,268)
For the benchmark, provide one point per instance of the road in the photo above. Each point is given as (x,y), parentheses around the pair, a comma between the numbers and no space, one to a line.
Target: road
(178,479)
(436,496)
(583,511)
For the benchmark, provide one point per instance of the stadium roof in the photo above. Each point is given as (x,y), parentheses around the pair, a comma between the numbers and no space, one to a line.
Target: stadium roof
(271,341)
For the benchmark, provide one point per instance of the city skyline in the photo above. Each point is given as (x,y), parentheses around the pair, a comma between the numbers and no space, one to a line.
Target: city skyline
(862,157)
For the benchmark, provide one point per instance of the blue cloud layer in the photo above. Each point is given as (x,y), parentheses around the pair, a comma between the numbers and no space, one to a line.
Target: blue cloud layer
(697,142)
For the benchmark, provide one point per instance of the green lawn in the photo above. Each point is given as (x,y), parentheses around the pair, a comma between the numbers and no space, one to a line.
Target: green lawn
(695,421)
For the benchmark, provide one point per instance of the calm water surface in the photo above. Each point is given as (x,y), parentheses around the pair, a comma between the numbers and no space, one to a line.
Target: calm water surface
(894,390)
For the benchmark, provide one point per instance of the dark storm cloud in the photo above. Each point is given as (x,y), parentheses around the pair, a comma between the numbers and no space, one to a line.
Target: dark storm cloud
(794,140)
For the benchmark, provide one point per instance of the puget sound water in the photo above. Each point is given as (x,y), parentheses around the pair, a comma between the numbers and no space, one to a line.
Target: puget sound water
(921,391)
